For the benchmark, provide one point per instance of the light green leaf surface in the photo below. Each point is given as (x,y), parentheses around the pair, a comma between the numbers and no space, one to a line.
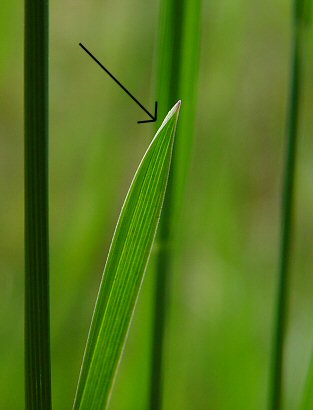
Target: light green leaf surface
(125,268)
(307,400)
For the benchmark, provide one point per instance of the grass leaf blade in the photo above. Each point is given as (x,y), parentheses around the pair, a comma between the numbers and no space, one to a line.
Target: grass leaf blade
(124,270)
(307,400)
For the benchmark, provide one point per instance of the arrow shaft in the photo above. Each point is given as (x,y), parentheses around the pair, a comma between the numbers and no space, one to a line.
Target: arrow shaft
(115,79)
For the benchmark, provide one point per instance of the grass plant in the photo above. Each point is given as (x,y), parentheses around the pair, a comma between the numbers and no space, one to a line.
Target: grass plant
(152,207)
(37,321)
(300,16)
(125,268)
(177,73)
(307,399)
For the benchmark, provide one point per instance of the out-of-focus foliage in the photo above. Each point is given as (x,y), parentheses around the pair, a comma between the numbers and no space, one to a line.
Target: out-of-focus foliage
(225,278)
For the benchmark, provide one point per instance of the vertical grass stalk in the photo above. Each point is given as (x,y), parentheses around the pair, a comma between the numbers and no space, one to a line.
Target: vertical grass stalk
(177,75)
(287,211)
(307,400)
(37,323)
(167,93)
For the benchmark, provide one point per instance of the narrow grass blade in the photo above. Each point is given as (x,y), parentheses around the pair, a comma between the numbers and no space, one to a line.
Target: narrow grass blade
(37,327)
(124,269)
(307,400)
(299,20)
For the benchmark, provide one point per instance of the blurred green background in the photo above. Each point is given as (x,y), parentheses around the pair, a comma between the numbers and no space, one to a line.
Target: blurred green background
(223,287)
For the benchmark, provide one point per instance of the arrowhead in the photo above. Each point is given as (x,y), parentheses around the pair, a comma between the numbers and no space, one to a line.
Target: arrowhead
(153,117)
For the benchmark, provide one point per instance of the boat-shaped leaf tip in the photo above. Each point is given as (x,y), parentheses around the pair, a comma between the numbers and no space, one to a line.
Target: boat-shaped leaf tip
(124,269)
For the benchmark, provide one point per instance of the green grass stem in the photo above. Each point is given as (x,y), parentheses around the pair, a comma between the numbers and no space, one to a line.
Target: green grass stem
(168,73)
(307,399)
(287,211)
(37,327)
(177,75)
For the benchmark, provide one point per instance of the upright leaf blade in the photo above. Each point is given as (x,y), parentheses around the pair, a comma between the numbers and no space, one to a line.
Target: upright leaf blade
(124,269)
(307,400)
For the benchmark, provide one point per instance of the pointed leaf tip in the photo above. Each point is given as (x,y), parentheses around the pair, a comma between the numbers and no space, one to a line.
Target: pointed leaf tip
(124,270)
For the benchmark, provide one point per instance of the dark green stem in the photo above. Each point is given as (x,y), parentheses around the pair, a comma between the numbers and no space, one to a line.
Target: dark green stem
(177,79)
(168,85)
(37,322)
(286,222)
(163,271)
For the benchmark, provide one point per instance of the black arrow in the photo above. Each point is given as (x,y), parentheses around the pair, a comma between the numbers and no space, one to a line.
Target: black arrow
(153,117)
